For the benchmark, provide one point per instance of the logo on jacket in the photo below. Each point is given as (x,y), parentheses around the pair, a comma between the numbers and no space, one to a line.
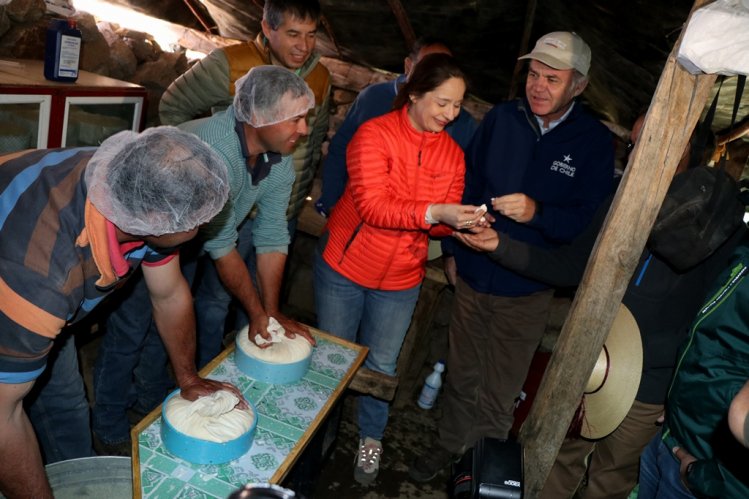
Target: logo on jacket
(564,166)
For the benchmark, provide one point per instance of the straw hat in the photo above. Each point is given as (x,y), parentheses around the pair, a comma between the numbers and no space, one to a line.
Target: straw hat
(615,379)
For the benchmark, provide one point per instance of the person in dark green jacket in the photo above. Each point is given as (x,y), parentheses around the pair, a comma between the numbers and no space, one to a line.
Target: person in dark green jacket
(695,455)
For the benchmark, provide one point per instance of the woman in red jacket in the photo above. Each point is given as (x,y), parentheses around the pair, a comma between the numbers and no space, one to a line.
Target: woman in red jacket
(405,184)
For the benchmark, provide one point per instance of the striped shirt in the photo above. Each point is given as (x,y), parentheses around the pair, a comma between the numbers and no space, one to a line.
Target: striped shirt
(59,257)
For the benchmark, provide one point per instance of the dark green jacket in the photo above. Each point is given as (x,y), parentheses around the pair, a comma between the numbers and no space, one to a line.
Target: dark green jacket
(713,367)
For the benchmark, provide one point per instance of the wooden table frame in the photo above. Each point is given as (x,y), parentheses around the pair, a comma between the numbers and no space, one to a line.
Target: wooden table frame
(291,459)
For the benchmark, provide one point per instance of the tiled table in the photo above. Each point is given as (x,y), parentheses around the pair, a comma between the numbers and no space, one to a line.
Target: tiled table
(288,417)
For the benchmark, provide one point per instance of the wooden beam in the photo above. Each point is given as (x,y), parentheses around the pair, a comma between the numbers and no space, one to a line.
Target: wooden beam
(415,349)
(199,16)
(373,383)
(674,111)
(530,15)
(354,77)
(409,36)
(331,35)
(742,130)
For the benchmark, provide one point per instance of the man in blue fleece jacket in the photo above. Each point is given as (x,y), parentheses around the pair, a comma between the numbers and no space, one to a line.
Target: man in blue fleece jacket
(542,165)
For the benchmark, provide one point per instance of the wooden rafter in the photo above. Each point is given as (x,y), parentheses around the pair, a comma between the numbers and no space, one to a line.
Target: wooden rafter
(530,15)
(199,16)
(331,35)
(736,134)
(409,36)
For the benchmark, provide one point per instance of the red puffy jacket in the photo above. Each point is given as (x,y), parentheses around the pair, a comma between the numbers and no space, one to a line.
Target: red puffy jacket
(377,234)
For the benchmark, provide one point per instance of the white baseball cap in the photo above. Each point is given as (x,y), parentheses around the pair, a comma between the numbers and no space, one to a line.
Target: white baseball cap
(562,50)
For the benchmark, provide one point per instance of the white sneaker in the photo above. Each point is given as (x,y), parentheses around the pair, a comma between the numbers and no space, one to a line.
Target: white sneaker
(367,461)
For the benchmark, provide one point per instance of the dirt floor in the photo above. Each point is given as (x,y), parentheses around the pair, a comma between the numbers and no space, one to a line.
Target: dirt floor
(410,431)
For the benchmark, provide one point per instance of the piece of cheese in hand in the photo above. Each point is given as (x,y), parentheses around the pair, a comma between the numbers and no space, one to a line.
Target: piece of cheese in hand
(482,209)
(214,417)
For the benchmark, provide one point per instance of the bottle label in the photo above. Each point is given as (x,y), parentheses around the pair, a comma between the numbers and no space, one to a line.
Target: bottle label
(70,51)
(427,397)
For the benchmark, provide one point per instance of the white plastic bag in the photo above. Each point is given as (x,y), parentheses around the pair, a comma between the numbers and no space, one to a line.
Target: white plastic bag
(717,39)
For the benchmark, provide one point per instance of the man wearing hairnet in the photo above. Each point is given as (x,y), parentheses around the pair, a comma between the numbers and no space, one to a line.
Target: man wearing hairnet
(74,223)
(255,137)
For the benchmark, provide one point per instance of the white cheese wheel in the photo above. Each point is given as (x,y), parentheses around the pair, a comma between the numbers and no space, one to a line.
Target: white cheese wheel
(213,417)
(283,350)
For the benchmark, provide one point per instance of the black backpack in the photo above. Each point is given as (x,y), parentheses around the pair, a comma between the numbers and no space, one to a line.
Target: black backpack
(702,209)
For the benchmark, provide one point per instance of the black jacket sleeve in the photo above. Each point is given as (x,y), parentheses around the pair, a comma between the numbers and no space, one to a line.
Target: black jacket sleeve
(560,267)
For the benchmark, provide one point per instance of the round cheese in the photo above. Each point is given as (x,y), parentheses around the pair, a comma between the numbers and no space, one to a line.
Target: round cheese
(282,349)
(214,417)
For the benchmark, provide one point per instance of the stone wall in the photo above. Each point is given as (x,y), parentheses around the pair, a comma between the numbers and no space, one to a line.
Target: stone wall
(136,57)
(107,49)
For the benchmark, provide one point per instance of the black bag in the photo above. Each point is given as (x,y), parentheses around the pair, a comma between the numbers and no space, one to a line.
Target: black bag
(702,209)
(497,469)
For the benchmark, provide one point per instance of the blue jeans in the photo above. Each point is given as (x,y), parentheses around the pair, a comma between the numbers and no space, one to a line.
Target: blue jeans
(130,369)
(373,318)
(57,405)
(659,473)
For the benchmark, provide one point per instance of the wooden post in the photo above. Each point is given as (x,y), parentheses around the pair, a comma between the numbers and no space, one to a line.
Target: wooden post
(674,111)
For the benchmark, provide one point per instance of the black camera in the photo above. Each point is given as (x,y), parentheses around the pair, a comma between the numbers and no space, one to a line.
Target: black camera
(492,469)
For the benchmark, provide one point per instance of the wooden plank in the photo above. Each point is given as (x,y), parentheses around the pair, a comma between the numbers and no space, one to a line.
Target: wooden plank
(373,383)
(415,348)
(675,109)
(353,76)
(741,130)
(30,73)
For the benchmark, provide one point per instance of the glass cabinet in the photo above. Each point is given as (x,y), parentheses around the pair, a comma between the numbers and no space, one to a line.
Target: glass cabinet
(37,113)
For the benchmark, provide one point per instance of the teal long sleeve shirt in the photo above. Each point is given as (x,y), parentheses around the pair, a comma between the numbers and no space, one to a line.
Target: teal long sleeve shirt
(270,195)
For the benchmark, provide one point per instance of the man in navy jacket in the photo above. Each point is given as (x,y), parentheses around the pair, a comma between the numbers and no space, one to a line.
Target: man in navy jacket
(542,165)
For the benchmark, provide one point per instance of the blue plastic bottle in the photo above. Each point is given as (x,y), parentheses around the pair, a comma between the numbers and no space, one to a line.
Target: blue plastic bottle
(62,51)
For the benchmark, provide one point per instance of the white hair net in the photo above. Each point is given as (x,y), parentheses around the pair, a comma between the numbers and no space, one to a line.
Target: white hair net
(267,95)
(157,182)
